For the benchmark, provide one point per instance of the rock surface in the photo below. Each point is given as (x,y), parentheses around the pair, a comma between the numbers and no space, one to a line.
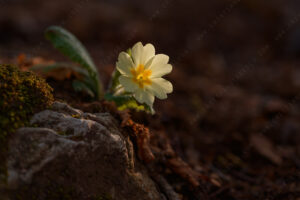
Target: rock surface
(69,154)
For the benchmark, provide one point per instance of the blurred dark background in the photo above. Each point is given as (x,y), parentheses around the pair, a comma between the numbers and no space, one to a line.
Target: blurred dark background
(236,76)
(215,39)
(231,29)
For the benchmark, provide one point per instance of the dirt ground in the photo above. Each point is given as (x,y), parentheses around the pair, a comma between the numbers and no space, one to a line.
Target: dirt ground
(234,115)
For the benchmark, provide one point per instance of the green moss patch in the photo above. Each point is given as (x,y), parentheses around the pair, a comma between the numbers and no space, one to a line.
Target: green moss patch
(21,95)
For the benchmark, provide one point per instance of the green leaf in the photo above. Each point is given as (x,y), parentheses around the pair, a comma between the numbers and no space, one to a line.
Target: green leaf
(129,52)
(82,87)
(114,82)
(70,46)
(128,102)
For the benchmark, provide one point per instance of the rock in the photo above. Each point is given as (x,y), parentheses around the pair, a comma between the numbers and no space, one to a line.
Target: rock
(21,95)
(75,155)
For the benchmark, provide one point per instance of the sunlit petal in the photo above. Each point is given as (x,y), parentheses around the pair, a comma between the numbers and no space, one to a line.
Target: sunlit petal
(148,53)
(128,84)
(124,64)
(160,88)
(137,52)
(160,70)
(144,97)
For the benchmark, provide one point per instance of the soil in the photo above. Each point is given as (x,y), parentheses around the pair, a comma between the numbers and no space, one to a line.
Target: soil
(234,115)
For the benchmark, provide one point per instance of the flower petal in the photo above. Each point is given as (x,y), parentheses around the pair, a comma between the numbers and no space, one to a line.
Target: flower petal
(148,53)
(143,96)
(124,64)
(149,62)
(160,87)
(160,70)
(128,84)
(159,65)
(136,52)
(159,59)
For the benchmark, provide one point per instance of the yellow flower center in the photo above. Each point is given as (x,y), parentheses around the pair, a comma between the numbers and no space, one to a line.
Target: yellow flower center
(141,76)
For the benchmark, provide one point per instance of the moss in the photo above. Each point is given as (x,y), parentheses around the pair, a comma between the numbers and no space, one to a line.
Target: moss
(21,95)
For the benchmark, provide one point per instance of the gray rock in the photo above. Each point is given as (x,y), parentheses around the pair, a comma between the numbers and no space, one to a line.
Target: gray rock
(75,155)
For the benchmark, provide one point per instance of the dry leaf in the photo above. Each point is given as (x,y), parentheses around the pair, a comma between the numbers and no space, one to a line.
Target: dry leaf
(265,147)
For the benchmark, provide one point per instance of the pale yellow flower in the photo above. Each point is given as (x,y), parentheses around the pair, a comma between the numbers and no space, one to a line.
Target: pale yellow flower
(142,71)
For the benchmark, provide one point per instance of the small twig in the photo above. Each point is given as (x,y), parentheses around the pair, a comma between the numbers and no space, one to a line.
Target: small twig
(165,186)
